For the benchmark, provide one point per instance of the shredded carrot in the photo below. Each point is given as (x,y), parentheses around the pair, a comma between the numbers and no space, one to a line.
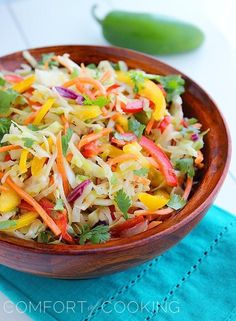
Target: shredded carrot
(60,165)
(38,208)
(4,188)
(84,90)
(121,158)
(51,180)
(150,126)
(9,147)
(69,157)
(29,119)
(95,83)
(115,116)
(65,122)
(94,136)
(120,129)
(61,62)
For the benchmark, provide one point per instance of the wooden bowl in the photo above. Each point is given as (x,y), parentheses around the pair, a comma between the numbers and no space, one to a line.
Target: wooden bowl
(86,261)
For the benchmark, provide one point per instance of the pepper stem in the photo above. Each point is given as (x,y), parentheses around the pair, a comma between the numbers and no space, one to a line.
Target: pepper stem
(93,11)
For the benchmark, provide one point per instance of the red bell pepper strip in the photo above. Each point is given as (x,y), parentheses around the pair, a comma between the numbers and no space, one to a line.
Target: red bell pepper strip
(164,123)
(112,87)
(26,206)
(91,149)
(163,161)
(13,79)
(119,228)
(60,218)
(133,106)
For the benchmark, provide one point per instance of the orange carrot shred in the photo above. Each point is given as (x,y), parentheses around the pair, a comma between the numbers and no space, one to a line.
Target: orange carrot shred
(9,147)
(94,136)
(150,126)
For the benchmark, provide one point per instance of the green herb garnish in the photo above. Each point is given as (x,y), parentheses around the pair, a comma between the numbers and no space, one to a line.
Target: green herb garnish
(96,235)
(176,202)
(186,166)
(65,139)
(7,97)
(136,127)
(123,202)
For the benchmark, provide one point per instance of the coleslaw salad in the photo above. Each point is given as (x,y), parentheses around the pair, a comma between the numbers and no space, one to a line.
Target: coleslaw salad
(92,152)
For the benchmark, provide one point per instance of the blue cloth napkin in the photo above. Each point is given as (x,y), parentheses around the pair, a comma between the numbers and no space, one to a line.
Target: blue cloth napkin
(195,280)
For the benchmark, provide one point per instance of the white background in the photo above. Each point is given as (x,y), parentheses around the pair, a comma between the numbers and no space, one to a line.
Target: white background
(32,23)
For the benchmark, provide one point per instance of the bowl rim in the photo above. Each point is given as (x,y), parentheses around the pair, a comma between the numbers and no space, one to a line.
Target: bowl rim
(141,238)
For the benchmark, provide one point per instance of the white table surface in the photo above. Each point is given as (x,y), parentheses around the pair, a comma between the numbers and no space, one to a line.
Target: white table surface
(33,23)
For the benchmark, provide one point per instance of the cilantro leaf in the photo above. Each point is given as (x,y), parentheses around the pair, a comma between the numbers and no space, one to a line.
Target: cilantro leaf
(4,225)
(123,202)
(59,206)
(47,59)
(100,101)
(96,235)
(33,127)
(138,78)
(115,65)
(141,172)
(185,165)
(176,202)
(173,85)
(5,124)
(2,81)
(7,97)
(136,127)
(45,237)
(65,139)
(91,66)
(28,142)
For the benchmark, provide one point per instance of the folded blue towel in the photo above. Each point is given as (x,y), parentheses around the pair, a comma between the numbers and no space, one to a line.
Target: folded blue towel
(195,280)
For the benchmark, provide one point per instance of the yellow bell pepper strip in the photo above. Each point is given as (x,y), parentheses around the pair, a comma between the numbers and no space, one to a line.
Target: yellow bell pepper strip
(160,157)
(87,112)
(37,163)
(154,202)
(123,122)
(135,148)
(111,151)
(24,85)
(149,90)
(9,200)
(25,220)
(23,161)
(38,208)
(43,111)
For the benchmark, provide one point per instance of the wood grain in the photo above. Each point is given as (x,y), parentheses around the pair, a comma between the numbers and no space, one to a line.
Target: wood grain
(75,261)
